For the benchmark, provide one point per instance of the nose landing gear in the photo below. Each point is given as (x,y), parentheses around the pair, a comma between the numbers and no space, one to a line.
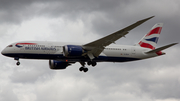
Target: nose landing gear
(18,63)
(17,58)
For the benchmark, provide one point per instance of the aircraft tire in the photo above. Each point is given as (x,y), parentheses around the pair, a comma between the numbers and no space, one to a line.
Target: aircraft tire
(89,62)
(94,64)
(18,63)
(85,69)
(81,68)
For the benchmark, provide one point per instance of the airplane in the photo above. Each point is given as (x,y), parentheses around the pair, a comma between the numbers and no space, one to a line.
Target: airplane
(61,54)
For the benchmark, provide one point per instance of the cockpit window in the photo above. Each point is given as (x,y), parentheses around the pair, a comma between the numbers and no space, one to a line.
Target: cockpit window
(10,46)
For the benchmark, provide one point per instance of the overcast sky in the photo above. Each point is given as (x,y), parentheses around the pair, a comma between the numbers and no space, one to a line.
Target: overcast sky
(156,79)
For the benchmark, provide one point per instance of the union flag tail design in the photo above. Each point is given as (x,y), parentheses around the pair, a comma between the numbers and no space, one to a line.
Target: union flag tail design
(150,40)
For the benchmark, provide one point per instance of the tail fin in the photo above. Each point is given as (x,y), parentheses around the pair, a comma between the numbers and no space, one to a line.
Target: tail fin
(150,40)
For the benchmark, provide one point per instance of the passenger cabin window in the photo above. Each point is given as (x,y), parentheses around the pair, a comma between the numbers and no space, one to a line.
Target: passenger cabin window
(10,46)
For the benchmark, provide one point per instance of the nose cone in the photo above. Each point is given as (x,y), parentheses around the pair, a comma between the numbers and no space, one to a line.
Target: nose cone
(6,52)
(3,52)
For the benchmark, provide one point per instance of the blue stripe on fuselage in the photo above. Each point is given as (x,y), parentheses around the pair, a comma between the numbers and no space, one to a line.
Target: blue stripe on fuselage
(74,59)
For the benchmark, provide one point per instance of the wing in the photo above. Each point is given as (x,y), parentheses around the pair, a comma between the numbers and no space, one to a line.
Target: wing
(96,47)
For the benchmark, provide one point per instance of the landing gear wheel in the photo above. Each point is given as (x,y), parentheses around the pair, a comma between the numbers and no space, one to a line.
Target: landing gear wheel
(81,68)
(18,63)
(17,58)
(94,64)
(85,69)
(89,62)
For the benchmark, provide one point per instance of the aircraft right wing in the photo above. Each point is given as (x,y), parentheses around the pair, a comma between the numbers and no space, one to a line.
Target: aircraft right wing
(96,47)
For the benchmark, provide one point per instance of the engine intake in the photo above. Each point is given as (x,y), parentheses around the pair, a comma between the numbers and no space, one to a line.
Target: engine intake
(54,64)
(72,51)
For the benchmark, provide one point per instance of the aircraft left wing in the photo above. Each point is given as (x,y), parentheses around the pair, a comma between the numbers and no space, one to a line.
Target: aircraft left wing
(96,47)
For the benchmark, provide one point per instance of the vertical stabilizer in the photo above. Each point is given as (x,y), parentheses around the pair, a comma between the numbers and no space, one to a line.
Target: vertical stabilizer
(150,40)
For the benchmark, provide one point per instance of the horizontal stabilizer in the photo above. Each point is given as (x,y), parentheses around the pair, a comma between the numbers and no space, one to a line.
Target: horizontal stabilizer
(161,48)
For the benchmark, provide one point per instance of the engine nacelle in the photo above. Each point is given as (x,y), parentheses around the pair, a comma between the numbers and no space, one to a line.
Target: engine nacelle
(54,64)
(72,51)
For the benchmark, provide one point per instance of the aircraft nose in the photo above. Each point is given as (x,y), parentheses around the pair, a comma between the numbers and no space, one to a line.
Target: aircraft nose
(5,52)
(2,52)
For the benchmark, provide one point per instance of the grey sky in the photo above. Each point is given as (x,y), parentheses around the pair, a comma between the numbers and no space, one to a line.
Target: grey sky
(156,79)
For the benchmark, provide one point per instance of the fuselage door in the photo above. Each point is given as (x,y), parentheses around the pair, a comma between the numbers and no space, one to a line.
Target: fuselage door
(133,51)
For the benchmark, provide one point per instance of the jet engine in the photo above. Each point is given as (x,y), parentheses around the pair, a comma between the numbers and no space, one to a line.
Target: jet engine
(54,64)
(72,51)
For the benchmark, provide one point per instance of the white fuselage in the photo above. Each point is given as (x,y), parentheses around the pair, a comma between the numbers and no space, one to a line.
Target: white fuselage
(54,50)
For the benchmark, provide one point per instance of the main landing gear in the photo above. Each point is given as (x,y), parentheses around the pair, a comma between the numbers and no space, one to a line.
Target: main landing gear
(18,63)
(85,69)
(93,63)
